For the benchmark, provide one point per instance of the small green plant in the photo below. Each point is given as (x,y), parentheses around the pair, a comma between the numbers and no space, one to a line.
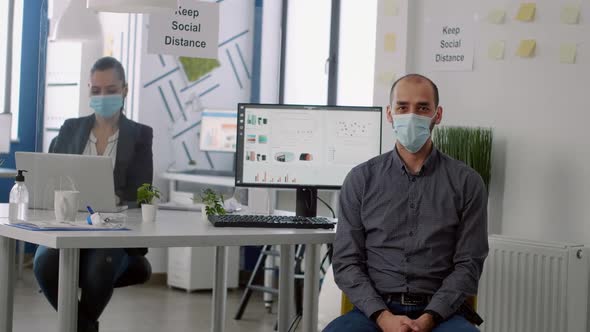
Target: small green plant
(146,194)
(213,202)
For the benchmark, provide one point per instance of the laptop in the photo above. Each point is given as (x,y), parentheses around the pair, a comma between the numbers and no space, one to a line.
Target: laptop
(92,176)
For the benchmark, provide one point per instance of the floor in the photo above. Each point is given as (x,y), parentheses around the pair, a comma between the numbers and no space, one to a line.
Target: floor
(152,308)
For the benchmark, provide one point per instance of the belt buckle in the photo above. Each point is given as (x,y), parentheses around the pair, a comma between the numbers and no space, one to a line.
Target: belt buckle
(409,301)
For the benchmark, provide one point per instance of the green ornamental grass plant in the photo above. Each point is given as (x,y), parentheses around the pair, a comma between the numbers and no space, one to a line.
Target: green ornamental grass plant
(473,146)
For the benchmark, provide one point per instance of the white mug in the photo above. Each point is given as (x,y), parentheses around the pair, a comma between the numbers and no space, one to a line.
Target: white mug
(66,204)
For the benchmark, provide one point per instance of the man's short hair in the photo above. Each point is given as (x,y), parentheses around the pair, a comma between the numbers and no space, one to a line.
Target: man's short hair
(106,63)
(434,87)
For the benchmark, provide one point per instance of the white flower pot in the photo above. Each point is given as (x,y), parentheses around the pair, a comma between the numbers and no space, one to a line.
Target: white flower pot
(149,212)
(204,215)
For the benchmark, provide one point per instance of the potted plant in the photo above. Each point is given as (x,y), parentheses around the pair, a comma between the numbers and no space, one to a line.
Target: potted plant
(472,145)
(213,203)
(145,198)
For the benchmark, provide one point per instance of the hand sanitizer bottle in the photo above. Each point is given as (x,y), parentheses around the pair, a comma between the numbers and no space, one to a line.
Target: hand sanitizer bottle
(19,199)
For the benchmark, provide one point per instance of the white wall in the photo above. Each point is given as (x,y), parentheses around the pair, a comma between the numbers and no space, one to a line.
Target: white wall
(537,107)
(171,105)
(392,18)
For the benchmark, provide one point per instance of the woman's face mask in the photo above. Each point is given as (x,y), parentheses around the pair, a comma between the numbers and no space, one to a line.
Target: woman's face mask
(106,106)
(107,92)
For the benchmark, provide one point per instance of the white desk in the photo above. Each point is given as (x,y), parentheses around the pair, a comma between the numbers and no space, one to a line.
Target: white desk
(11,173)
(172,229)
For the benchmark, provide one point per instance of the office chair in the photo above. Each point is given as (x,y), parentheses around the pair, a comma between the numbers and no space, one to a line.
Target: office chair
(138,272)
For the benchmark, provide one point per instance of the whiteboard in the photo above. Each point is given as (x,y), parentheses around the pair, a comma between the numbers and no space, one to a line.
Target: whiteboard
(538,107)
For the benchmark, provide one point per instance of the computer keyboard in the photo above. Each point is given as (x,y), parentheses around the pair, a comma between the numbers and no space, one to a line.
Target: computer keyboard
(230,220)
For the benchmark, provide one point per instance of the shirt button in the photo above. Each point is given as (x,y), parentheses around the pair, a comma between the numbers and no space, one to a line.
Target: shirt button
(412,205)
(413,179)
(411,233)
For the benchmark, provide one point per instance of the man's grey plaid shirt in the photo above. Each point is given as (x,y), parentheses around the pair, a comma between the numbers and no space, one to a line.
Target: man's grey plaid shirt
(404,233)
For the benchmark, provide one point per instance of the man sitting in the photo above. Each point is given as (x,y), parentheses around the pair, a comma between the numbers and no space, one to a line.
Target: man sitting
(412,231)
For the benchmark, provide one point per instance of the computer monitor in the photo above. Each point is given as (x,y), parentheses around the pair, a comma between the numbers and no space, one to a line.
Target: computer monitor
(218,130)
(305,147)
(214,152)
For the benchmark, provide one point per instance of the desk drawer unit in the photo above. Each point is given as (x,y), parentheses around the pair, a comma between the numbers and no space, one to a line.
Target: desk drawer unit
(192,268)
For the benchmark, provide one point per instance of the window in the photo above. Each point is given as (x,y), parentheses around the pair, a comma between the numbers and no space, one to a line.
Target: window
(307,49)
(309,33)
(16,57)
(356,52)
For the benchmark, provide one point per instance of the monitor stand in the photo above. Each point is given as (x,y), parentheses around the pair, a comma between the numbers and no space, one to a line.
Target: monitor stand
(306,202)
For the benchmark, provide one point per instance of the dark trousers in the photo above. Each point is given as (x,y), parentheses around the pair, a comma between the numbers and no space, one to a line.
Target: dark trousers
(99,270)
(356,321)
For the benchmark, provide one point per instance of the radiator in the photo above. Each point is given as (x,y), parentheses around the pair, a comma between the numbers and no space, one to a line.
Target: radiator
(534,286)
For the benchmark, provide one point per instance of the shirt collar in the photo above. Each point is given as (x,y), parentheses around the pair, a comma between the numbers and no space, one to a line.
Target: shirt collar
(398,163)
(430,162)
(111,139)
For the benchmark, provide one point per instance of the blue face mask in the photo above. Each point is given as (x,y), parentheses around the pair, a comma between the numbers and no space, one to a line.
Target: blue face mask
(412,130)
(106,106)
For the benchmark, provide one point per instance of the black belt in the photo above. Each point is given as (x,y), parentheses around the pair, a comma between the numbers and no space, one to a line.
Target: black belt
(408,298)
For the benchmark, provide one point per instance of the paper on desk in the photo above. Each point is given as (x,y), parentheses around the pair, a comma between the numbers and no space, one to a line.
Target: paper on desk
(52,225)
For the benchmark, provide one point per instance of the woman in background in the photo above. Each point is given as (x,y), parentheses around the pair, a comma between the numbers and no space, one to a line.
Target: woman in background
(107,132)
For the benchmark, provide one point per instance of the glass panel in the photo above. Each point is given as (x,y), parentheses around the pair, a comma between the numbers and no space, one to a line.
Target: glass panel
(307,49)
(356,54)
(16,54)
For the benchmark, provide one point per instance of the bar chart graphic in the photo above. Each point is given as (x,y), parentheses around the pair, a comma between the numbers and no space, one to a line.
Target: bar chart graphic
(265,177)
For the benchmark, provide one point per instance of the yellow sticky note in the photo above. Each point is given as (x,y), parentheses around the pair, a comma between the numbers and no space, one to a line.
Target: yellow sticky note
(526,12)
(496,16)
(386,78)
(526,48)
(391,8)
(570,14)
(567,53)
(496,50)
(390,42)
(108,48)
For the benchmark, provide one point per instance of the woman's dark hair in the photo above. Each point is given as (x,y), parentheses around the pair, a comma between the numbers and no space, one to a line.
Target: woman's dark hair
(106,63)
